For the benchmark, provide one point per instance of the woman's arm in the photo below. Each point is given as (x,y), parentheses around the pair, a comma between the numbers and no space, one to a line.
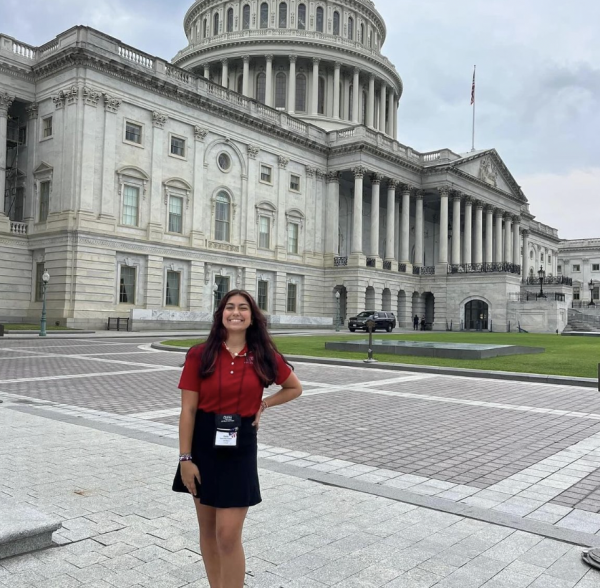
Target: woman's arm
(290,389)
(187,419)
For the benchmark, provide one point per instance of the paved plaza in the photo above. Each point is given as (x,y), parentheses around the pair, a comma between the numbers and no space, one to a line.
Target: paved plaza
(372,478)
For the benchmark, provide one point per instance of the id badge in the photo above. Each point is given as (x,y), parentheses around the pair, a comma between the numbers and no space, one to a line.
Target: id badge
(227,430)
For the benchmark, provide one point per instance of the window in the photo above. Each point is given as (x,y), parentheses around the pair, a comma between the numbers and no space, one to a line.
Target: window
(39,283)
(47,127)
(350,28)
(596,267)
(264,232)
(575,293)
(266,173)
(131,199)
(301,17)
(576,268)
(246,17)
(177,146)
(282,15)
(291,297)
(230,20)
(263,295)
(321,96)
(292,238)
(336,23)
(549,258)
(22,138)
(295,183)
(173,288)
(559,269)
(216,24)
(300,93)
(175,214)
(320,19)
(15,208)
(362,33)
(280,90)
(133,133)
(264,15)
(542,257)
(222,283)
(261,87)
(205,28)
(127,285)
(44,200)
(596,292)
(224,162)
(222,217)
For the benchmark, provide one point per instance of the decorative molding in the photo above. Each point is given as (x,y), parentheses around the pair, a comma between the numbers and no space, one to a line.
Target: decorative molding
(72,95)
(407,188)
(310,171)
(200,133)
(488,172)
(253,151)
(321,173)
(5,103)
(457,196)
(111,103)
(223,246)
(159,120)
(359,171)
(91,97)
(333,176)
(469,200)
(444,191)
(392,184)
(479,204)
(32,111)
(293,58)
(283,161)
(377,178)
(419,194)
(516,219)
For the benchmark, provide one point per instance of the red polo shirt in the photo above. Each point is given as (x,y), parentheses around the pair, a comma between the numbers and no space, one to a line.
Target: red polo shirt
(233,388)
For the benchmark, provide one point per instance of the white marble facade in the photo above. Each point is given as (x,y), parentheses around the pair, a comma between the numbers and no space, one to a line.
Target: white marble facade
(150,187)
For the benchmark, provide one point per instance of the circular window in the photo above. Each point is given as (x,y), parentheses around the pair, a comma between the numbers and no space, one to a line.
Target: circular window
(224,162)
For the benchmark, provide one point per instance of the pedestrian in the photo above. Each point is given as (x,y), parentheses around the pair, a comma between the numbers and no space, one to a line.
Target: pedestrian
(416,323)
(222,387)
(423,323)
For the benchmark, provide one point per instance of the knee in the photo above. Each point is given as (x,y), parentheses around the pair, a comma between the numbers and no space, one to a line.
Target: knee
(228,540)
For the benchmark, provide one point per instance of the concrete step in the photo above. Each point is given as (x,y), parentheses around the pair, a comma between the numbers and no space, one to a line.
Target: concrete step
(24,529)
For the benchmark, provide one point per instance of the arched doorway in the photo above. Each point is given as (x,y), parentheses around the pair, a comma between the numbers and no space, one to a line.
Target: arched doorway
(370,299)
(476,315)
(342,301)
(386,300)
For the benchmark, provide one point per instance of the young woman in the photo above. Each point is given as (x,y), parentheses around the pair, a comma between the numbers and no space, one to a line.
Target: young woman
(222,388)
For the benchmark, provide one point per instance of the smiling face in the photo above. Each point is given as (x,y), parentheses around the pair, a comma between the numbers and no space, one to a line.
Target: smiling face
(237,315)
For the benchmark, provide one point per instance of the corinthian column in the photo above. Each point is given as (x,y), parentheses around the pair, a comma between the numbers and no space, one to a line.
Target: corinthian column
(315,86)
(375,194)
(507,238)
(336,90)
(269,82)
(382,104)
(516,259)
(525,254)
(456,229)
(478,257)
(468,237)
(443,256)
(332,214)
(498,214)
(371,104)
(225,73)
(246,75)
(390,225)
(405,226)
(292,86)
(5,104)
(355,95)
(419,229)
(359,173)
(489,234)
(391,101)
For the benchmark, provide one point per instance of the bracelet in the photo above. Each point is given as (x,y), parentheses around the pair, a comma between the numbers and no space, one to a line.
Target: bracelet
(185,457)
(263,406)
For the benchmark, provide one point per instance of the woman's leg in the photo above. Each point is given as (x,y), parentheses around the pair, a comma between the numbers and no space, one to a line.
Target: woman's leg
(207,520)
(230,522)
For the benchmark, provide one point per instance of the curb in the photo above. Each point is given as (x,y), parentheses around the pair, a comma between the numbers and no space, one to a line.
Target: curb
(427,369)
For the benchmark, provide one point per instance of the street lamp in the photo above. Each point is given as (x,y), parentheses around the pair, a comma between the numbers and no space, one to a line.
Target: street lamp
(45,280)
(215,292)
(337,314)
(591,286)
(541,275)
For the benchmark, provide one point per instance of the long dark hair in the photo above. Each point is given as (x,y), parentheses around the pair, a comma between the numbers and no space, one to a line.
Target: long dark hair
(258,341)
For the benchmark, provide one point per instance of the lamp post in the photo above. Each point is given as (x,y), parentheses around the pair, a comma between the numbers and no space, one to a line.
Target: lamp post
(215,291)
(45,280)
(591,286)
(337,312)
(541,275)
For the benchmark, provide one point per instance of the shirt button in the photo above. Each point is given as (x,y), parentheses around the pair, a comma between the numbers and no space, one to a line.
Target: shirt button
(232,371)
(232,363)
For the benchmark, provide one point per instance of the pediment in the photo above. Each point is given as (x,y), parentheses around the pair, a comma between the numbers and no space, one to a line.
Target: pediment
(43,168)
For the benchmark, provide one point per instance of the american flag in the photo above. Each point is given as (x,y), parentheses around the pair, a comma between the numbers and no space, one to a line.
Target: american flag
(473,88)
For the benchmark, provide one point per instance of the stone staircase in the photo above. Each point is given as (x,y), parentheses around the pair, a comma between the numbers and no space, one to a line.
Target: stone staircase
(582,322)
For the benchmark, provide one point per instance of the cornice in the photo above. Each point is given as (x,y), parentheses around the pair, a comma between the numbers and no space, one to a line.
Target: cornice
(21,72)
(364,147)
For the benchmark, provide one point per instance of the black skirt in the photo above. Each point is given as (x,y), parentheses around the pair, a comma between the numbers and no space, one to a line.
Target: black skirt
(228,476)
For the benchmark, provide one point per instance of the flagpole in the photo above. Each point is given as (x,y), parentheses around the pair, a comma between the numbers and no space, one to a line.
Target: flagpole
(473,102)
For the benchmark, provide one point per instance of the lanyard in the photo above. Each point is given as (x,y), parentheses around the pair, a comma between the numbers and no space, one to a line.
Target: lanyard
(241,382)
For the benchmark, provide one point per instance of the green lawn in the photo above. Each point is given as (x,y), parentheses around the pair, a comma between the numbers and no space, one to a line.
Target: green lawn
(25,327)
(564,356)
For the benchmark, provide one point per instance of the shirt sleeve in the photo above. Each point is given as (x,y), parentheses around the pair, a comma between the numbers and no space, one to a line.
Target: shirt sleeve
(283,370)
(190,377)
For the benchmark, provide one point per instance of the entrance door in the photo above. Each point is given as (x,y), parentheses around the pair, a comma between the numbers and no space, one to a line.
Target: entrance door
(476,315)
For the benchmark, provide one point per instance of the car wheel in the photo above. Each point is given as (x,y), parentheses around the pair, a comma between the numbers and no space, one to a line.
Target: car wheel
(389,328)
(352,330)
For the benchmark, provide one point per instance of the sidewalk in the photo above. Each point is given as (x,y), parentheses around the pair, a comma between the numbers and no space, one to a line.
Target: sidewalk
(123,527)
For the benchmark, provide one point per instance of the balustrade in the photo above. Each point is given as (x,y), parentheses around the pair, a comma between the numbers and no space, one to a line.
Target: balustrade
(371,262)
(340,261)
(17,228)
(550,281)
(402,268)
(481,268)
(428,270)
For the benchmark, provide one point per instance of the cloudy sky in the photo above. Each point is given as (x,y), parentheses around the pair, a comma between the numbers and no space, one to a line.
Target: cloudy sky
(538,81)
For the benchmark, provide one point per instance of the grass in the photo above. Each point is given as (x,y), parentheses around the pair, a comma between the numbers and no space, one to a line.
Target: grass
(26,327)
(564,356)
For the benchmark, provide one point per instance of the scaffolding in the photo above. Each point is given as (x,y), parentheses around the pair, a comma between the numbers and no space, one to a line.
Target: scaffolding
(14,141)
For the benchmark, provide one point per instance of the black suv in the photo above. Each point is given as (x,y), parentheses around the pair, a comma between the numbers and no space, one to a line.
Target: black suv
(383,320)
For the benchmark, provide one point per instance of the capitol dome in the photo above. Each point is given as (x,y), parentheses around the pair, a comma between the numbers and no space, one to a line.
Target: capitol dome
(303,57)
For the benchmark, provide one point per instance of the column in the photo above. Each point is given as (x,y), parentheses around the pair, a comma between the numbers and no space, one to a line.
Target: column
(336,90)
(346,102)
(269,81)
(478,255)
(332,214)
(292,86)
(5,104)
(395,129)
(525,271)
(371,104)
(390,233)
(382,103)
(225,73)
(405,226)
(246,75)
(391,99)
(516,250)
(355,95)
(315,87)
(468,237)
(207,71)
(456,229)
(489,234)
(507,238)
(359,173)
(419,230)
(443,254)
(498,214)
(375,194)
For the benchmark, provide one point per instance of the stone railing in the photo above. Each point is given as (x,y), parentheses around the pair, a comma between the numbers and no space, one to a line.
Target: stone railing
(135,56)
(17,228)
(427,270)
(482,268)
(387,265)
(402,268)
(535,297)
(550,281)
(340,261)
(543,229)
(371,262)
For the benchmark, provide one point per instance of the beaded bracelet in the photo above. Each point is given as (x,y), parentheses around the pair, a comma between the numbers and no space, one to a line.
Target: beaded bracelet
(263,406)
(185,457)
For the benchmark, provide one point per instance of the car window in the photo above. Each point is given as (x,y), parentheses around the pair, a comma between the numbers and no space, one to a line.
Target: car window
(364,314)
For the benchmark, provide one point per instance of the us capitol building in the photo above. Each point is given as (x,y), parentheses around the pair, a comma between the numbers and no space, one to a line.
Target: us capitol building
(264,156)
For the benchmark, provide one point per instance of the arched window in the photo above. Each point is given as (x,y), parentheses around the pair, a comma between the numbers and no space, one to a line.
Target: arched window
(362,33)
(216,24)
(261,87)
(301,17)
(300,93)
(246,17)
(321,100)
(205,28)
(283,15)
(223,217)
(336,23)
(320,19)
(280,90)
(350,28)
(230,20)
(264,15)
